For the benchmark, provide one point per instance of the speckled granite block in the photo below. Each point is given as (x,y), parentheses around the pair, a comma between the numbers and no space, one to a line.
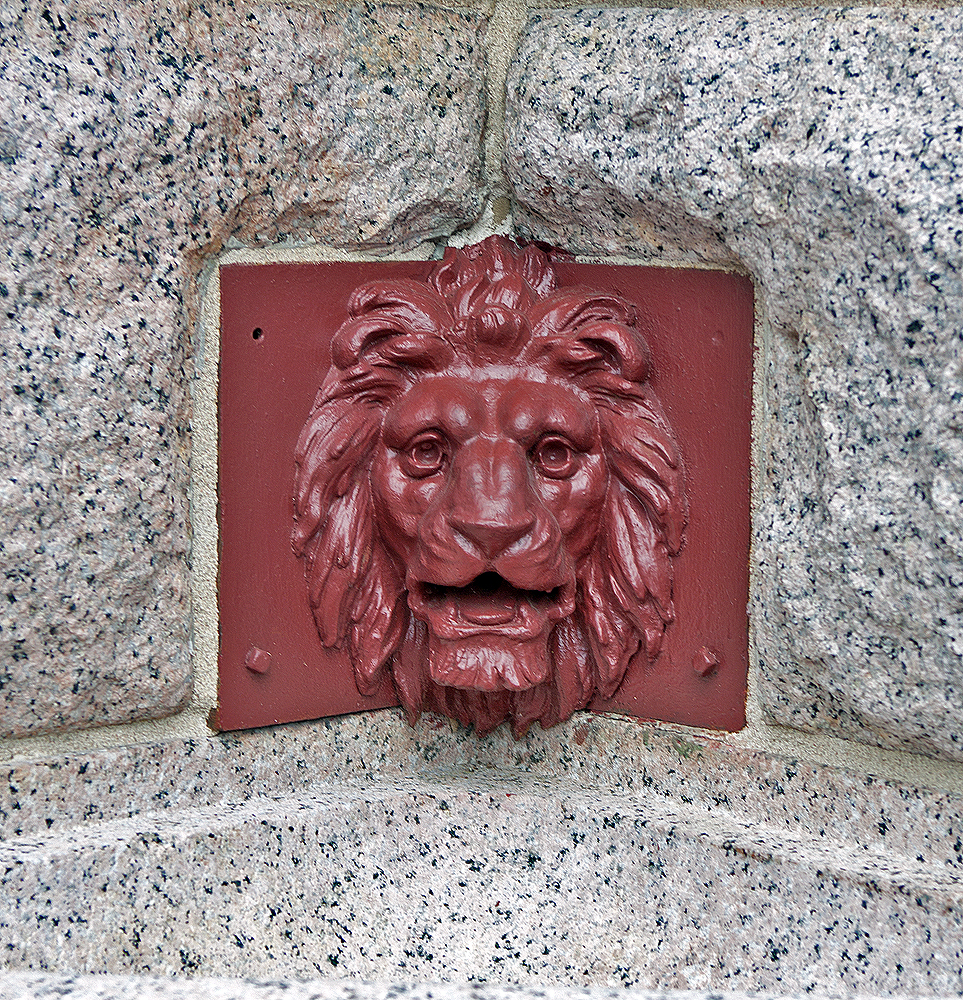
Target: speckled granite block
(822,150)
(136,141)
(44,987)
(600,853)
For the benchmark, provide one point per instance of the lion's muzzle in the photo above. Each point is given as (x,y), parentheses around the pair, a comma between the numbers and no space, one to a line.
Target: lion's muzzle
(489,574)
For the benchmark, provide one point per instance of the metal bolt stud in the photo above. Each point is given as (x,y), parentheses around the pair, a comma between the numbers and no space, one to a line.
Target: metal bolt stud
(258,661)
(705,662)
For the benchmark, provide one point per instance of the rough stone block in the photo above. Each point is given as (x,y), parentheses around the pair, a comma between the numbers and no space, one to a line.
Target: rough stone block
(136,141)
(822,151)
(37,986)
(599,853)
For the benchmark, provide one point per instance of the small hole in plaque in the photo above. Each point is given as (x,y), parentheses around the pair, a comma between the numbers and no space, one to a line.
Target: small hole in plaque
(258,333)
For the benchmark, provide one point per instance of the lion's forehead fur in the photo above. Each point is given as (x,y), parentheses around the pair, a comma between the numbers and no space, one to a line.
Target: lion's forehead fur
(464,367)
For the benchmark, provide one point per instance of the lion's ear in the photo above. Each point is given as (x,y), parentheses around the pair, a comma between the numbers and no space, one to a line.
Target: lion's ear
(383,309)
(583,332)
(353,588)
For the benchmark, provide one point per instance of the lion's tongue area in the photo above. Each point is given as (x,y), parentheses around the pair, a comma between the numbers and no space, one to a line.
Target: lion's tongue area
(488,600)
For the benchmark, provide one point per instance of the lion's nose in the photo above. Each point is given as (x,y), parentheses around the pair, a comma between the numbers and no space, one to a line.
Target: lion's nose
(490,500)
(492,537)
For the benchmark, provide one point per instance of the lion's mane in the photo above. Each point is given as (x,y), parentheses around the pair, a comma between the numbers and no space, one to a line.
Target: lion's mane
(490,303)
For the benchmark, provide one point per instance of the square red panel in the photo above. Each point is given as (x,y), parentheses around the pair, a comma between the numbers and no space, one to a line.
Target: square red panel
(277,321)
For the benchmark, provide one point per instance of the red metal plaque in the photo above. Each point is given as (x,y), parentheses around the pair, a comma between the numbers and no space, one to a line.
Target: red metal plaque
(278,322)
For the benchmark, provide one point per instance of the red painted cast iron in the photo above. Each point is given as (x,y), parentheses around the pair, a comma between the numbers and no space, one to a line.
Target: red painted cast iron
(494,517)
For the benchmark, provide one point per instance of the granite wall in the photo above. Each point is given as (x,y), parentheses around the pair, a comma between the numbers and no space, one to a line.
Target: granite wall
(601,852)
(822,151)
(818,150)
(137,143)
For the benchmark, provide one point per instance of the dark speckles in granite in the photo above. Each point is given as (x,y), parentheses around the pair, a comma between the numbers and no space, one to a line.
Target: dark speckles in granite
(137,140)
(497,884)
(361,847)
(27,986)
(822,150)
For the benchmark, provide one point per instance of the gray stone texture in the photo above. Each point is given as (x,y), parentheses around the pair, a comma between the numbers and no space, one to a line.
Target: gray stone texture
(45,987)
(822,151)
(603,852)
(137,140)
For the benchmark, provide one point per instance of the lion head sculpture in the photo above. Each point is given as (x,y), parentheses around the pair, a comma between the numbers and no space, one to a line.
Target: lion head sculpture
(488,495)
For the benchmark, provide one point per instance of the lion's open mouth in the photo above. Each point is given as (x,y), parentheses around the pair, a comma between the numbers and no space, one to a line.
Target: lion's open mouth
(488,604)
(488,599)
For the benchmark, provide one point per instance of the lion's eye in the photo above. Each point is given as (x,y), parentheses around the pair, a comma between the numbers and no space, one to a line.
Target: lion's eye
(425,456)
(555,458)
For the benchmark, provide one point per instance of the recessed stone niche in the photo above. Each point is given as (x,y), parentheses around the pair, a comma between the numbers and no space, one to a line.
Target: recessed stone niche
(818,150)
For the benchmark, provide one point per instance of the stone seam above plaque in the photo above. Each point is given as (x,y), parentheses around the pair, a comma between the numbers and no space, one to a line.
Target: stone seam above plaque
(521,490)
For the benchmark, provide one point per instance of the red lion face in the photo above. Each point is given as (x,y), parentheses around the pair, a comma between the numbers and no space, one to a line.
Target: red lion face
(488,495)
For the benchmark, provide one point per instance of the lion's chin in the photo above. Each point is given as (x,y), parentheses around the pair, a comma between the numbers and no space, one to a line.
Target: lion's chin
(489,663)
(489,635)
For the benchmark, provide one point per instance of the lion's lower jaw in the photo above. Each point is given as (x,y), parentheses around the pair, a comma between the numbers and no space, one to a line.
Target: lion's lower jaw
(568,685)
(489,663)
